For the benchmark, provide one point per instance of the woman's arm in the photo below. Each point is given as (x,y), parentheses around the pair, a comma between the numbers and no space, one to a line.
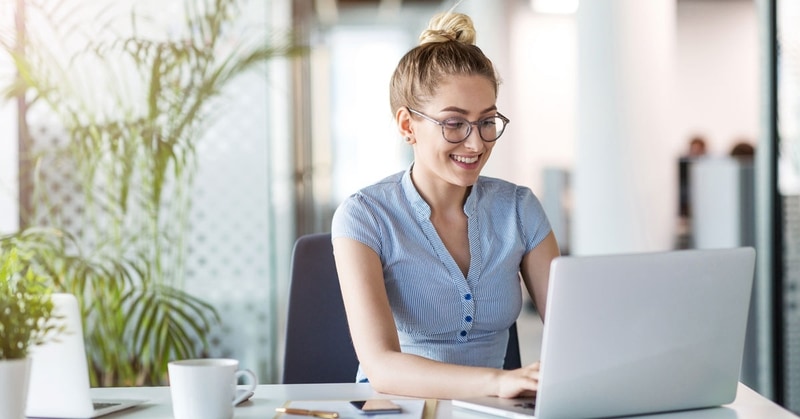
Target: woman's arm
(535,269)
(376,343)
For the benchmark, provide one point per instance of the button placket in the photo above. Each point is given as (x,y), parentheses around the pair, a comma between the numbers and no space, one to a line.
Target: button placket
(468,316)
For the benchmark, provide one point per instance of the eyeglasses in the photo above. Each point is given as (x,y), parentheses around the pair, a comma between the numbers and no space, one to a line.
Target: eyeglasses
(456,130)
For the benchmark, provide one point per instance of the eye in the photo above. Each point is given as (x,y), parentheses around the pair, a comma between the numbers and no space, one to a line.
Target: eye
(488,122)
(454,123)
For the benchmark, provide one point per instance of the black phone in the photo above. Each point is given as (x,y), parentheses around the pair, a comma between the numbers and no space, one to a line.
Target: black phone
(376,406)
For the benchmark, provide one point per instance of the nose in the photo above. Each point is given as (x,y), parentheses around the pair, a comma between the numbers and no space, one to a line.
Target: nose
(474,141)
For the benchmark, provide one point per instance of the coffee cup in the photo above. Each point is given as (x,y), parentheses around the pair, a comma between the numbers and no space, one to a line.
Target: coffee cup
(206,388)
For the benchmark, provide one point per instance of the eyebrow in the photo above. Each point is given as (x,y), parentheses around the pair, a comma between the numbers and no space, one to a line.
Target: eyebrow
(464,111)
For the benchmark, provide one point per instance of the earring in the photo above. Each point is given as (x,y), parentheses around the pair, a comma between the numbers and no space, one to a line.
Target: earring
(408,139)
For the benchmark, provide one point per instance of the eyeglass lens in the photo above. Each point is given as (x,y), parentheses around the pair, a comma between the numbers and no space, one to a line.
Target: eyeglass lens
(456,130)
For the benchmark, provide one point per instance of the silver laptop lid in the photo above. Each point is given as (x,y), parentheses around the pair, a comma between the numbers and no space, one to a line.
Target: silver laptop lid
(641,333)
(59,380)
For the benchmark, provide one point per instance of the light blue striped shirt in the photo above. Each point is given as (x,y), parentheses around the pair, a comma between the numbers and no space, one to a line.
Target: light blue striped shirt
(438,313)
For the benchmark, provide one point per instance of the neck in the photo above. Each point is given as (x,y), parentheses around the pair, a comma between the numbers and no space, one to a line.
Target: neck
(441,196)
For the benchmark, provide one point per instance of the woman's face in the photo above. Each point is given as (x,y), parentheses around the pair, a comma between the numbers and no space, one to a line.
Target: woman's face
(468,97)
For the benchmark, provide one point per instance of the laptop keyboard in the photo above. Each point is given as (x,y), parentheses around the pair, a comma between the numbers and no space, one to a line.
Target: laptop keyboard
(526,405)
(102,405)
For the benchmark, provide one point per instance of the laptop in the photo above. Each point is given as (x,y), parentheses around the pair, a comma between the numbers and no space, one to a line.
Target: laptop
(59,380)
(638,333)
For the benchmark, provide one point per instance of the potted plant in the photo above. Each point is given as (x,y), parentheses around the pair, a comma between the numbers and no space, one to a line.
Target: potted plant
(25,320)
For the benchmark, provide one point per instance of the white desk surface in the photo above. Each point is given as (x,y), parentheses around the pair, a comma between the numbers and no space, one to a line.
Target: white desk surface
(748,403)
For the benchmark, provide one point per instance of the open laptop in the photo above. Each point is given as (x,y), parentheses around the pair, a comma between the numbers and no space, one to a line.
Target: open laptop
(638,333)
(59,380)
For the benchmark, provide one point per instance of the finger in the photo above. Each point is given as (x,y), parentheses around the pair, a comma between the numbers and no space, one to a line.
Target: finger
(536,365)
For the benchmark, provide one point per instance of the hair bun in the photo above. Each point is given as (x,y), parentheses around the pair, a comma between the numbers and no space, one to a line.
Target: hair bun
(445,27)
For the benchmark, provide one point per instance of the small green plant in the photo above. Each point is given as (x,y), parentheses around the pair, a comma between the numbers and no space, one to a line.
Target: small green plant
(25,307)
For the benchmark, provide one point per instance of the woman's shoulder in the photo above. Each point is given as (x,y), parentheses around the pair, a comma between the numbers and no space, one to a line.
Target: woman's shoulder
(388,185)
(502,187)
(365,214)
(502,196)
(380,193)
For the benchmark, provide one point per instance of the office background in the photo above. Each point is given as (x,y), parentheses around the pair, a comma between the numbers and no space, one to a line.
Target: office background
(605,97)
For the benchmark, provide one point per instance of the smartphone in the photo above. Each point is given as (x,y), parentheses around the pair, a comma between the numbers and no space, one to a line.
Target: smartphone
(376,406)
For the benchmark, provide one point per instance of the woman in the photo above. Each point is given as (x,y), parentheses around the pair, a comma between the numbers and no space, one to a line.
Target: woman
(429,259)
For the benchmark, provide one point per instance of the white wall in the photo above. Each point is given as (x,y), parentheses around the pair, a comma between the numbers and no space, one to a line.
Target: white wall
(543,82)
(717,72)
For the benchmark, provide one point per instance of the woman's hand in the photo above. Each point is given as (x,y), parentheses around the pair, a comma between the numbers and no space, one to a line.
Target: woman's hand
(521,382)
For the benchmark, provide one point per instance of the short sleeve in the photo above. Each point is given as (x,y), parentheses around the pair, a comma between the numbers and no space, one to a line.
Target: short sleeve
(533,221)
(355,220)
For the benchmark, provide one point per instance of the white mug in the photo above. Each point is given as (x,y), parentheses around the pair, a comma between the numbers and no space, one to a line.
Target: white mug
(206,388)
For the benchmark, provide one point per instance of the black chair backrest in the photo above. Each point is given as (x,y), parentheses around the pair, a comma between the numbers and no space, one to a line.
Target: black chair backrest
(318,345)
(513,359)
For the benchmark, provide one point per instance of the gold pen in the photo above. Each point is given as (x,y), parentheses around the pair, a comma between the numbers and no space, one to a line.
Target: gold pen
(304,412)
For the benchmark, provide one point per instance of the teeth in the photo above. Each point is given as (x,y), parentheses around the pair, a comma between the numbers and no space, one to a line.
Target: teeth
(468,160)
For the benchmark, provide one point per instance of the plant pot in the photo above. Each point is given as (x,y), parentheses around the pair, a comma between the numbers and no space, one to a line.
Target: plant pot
(14,375)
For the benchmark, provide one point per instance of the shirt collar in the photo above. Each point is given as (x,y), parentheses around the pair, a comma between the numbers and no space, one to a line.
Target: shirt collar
(423,208)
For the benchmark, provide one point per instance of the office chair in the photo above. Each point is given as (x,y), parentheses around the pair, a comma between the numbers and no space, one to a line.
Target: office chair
(318,345)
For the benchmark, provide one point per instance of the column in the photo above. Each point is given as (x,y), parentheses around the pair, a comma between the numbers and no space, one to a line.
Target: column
(623,174)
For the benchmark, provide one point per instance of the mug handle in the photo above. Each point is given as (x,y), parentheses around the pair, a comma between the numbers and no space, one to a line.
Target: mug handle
(253,383)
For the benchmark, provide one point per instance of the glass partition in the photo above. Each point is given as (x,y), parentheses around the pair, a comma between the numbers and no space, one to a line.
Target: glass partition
(787,239)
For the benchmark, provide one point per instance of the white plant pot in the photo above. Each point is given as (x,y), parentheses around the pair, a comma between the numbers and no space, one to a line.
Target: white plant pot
(14,376)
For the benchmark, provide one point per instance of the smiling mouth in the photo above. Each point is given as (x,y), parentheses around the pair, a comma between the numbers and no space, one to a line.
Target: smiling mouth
(466,160)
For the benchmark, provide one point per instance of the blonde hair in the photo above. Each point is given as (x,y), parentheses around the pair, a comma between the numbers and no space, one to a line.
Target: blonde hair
(446,48)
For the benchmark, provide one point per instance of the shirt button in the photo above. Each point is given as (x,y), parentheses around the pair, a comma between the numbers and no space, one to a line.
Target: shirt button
(467,297)
(468,319)
(463,333)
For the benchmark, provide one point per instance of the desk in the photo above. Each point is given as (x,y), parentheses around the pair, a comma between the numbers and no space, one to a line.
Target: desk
(748,403)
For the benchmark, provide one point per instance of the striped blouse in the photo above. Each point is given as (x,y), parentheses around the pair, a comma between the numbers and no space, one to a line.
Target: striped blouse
(440,314)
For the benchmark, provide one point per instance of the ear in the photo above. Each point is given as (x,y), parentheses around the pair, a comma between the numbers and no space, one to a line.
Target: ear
(403,119)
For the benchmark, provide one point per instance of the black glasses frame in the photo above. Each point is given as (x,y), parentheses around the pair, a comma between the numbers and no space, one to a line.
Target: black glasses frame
(469,125)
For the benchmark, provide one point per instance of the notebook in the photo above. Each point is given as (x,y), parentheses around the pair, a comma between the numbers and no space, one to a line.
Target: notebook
(638,333)
(59,380)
